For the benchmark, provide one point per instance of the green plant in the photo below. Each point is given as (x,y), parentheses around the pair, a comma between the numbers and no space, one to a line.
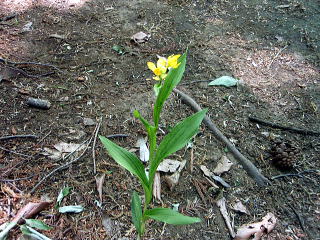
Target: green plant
(168,73)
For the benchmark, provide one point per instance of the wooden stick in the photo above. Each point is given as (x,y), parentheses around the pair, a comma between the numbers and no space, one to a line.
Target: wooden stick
(246,163)
(292,129)
(17,136)
(94,146)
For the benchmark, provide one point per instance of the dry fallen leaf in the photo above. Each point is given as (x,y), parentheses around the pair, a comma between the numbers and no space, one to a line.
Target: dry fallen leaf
(221,203)
(218,179)
(144,150)
(223,165)
(173,180)
(99,182)
(257,230)
(206,171)
(239,207)
(157,186)
(140,37)
(68,147)
(168,165)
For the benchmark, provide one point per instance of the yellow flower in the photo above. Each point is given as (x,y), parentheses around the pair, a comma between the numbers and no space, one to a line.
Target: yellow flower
(160,70)
(173,61)
(161,67)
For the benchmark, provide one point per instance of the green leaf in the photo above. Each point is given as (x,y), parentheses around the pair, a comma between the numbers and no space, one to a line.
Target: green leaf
(170,216)
(172,80)
(129,161)
(177,138)
(33,233)
(136,211)
(63,193)
(71,209)
(224,81)
(37,224)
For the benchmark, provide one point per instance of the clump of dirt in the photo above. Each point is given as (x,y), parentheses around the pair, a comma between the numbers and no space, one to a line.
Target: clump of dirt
(272,49)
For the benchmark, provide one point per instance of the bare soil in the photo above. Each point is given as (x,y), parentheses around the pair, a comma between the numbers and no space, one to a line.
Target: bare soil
(271,46)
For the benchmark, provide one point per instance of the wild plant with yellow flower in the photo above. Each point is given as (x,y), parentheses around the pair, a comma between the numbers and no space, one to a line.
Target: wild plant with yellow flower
(168,72)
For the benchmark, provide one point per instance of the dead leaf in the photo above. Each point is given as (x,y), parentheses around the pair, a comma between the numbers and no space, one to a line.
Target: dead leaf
(221,203)
(209,174)
(239,207)
(144,150)
(223,165)
(172,180)
(206,171)
(14,131)
(140,37)
(68,147)
(257,230)
(53,154)
(30,210)
(111,226)
(58,36)
(169,166)
(157,186)
(10,192)
(99,182)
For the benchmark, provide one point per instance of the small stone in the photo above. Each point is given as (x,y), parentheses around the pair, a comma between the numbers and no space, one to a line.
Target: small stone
(88,122)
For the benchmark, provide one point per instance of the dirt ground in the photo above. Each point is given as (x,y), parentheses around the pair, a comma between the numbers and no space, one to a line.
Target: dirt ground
(272,47)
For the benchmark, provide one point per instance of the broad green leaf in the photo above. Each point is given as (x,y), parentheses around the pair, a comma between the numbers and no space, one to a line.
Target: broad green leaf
(71,209)
(172,80)
(63,193)
(129,161)
(33,233)
(136,212)
(170,216)
(224,81)
(37,224)
(177,138)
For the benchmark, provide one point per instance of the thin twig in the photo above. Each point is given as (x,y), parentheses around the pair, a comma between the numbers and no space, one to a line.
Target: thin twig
(16,153)
(17,179)
(40,141)
(17,136)
(117,136)
(29,63)
(274,125)
(301,221)
(65,165)
(246,163)
(299,174)
(278,53)
(196,81)
(94,145)
(7,18)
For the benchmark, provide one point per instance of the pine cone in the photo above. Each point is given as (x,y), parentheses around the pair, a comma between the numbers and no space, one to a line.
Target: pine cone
(284,155)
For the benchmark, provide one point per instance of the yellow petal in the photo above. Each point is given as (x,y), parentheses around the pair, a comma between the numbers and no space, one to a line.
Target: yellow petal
(162,62)
(156,78)
(173,61)
(151,66)
(157,71)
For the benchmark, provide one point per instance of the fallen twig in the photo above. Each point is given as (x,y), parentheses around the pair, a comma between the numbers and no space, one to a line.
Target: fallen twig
(17,136)
(117,136)
(196,81)
(246,163)
(7,18)
(67,164)
(274,125)
(17,179)
(278,53)
(29,63)
(296,174)
(13,152)
(94,145)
